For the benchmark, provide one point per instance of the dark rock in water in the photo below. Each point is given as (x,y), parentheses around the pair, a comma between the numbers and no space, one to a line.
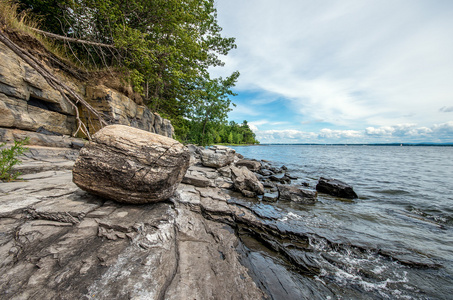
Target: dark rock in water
(335,188)
(130,165)
(306,184)
(272,197)
(265,172)
(268,184)
(249,164)
(290,176)
(293,193)
(284,168)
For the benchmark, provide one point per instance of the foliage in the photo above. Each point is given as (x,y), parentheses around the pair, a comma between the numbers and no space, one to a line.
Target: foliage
(164,47)
(219,133)
(9,158)
(12,19)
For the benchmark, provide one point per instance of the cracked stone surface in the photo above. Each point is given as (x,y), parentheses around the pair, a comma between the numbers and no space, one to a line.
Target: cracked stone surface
(206,242)
(59,242)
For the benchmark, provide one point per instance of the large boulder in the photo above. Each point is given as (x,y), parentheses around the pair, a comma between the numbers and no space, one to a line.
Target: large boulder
(296,194)
(246,182)
(217,156)
(335,188)
(131,165)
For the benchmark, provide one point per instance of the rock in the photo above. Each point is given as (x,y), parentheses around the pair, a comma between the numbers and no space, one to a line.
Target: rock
(335,188)
(295,194)
(246,182)
(9,135)
(28,102)
(217,156)
(252,165)
(131,165)
(265,172)
(271,197)
(199,181)
(121,109)
(290,176)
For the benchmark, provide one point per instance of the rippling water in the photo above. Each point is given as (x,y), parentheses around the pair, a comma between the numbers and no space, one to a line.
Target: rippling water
(402,221)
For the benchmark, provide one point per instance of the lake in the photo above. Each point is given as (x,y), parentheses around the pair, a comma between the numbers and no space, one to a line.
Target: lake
(402,221)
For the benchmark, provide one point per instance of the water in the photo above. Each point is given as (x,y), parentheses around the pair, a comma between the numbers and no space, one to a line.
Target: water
(396,240)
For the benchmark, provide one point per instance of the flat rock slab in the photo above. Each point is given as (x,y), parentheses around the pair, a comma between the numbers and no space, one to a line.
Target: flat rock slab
(59,242)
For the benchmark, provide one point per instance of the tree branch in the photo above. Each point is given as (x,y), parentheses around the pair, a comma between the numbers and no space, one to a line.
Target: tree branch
(68,39)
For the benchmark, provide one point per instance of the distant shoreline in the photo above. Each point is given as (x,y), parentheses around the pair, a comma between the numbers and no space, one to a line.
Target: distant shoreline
(381,144)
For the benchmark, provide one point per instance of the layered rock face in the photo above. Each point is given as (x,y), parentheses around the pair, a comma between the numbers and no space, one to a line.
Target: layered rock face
(28,103)
(130,165)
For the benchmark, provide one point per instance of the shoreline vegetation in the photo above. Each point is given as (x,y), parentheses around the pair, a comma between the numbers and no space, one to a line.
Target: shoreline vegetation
(157,52)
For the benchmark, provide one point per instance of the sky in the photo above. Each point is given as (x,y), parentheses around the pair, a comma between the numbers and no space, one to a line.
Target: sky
(349,71)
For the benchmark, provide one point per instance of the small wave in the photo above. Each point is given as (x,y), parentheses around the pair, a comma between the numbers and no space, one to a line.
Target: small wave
(392,192)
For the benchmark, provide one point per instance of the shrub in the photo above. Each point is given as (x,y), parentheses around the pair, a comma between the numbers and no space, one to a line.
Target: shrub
(9,158)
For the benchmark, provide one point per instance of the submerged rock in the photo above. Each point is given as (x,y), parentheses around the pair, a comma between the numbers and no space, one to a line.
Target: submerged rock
(130,165)
(293,193)
(335,188)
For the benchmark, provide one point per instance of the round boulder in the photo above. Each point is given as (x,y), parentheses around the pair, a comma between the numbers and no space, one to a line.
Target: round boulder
(130,165)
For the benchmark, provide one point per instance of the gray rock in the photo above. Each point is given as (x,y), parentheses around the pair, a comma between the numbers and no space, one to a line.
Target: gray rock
(246,182)
(199,181)
(131,165)
(295,194)
(249,164)
(271,197)
(335,188)
(217,156)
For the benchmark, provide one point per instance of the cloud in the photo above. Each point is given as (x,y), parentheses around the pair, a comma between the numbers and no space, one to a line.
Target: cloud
(396,133)
(351,63)
(337,134)
(446,109)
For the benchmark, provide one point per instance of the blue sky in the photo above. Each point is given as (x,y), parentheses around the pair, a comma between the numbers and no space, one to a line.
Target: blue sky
(349,71)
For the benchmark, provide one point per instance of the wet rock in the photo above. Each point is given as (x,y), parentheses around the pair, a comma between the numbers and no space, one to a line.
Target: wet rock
(335,188)
(252,165)
(246,182)
(271,197)
(265,172)
(290,176)
(293,193)
(217,156)
(268,184)
(130,165)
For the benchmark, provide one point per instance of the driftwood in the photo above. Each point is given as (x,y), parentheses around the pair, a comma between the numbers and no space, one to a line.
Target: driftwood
(66,92)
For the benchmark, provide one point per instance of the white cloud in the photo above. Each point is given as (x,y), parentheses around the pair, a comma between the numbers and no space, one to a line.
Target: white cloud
(350,63)
(396,133)
(446,109)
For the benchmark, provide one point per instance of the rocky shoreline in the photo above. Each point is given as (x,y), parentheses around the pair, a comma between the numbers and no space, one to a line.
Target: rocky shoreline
(218,237)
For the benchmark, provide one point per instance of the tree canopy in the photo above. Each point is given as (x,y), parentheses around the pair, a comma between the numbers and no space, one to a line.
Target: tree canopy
(164,48)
